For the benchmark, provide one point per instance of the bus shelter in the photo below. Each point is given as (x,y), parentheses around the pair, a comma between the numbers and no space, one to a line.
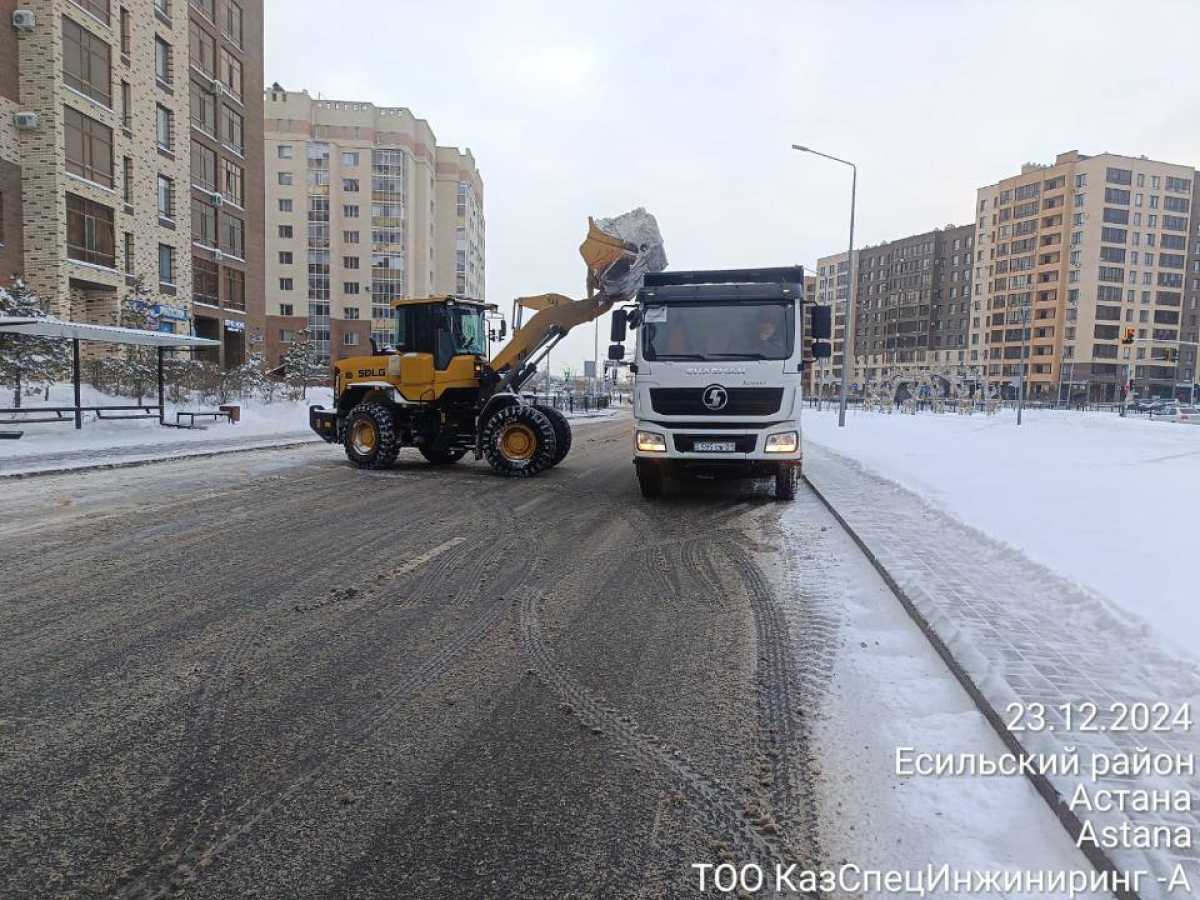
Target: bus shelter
(82,332)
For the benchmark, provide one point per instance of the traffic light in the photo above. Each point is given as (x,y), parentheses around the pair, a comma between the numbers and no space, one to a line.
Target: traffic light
(1127,337)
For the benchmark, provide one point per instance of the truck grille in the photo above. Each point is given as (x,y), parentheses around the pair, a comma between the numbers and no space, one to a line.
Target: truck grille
(742,443)
(689,401)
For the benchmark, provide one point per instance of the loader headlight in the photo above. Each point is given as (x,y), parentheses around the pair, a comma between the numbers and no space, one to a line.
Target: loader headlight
(651,442)
(784,442)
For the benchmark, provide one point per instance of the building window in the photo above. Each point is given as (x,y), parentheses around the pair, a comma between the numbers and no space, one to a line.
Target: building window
(233,239)
(351,312)
(206,7)
(231,181)
(231,73)
(128,252)
(287,309)
(1119,176)
(350,185)
(349,262)
(204,109)
(166,264)
(286,258)
(164,65)
(164,125)
(126,32)
(127,180)
(285,231)
(285,178)
(98,8)
(285,205)
(126,106)
(235,288)
(204,281)
(233,22)
(87,65)
(285,284)
(204,167)
(203,50)
(349,237)
(163,6)
(350,339)
(350,211)
(166,197)
(285,151)
(233,131)
(89,147)
(204,223)
(350,159)
(350,287)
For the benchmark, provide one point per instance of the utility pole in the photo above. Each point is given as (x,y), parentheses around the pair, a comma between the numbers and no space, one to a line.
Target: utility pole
(1024,351)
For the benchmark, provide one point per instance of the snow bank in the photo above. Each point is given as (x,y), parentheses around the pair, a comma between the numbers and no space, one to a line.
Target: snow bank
(1109,503)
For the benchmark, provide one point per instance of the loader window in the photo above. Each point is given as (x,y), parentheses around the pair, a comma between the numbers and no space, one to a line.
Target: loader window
(414,329)
(467,328)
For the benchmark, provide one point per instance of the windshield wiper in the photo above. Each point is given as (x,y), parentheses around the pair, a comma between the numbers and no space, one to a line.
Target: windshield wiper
(741,356)
(670,356)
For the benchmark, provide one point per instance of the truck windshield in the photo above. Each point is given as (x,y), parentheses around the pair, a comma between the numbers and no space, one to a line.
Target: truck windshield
(717,331)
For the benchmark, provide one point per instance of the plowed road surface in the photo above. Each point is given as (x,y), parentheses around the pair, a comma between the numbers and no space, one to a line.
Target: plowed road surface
(273,675)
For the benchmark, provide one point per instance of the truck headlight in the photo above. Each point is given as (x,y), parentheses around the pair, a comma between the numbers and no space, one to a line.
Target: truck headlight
(784,442)
(651,442)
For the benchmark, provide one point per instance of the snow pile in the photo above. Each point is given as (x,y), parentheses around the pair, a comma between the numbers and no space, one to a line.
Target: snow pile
(1109,503)
(640,228)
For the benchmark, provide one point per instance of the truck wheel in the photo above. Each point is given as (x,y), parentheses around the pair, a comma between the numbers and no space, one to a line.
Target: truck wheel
(371,436)
(440,455)
(650,480)
(518,441)
(562,432)
(787,479)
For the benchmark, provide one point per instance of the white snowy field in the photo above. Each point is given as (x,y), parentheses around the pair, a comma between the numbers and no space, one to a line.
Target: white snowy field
(1109,503)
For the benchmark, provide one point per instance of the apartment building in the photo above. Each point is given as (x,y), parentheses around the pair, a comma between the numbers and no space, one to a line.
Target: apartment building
(95,161)
(832,288)
(363,207)
(225,70)
(1080,271)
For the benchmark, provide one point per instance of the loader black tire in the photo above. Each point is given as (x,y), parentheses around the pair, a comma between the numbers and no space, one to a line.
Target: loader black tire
(370,439)
(787,479)
(440,455)
(562,432)
(518,441)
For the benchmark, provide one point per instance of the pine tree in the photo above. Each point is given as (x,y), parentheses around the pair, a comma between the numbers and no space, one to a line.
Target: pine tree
(251,374)
(303,365)
(139,365)
(27,360)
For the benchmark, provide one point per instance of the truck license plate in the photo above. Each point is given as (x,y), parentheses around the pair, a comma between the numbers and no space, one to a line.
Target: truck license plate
(713,446)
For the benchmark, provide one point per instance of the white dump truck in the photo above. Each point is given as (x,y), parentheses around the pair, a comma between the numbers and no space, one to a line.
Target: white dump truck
(717,366)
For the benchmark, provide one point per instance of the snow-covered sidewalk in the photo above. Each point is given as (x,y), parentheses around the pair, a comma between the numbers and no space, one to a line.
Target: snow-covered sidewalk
(1025,634)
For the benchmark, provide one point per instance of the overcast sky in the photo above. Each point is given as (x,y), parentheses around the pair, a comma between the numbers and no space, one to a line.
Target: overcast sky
(689,108)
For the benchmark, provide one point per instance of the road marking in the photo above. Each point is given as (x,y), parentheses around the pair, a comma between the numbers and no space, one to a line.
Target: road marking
(417,561)
(529,504)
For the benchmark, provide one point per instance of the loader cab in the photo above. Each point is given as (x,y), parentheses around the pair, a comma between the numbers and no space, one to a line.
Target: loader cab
(445,328)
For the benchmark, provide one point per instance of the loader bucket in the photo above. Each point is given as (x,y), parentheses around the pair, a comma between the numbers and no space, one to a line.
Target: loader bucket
(601,249)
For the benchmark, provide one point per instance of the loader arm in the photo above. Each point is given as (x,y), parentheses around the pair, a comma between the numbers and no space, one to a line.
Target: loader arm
(607,257)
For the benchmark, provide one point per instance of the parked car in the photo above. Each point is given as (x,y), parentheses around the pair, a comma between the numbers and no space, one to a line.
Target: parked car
(1176,412)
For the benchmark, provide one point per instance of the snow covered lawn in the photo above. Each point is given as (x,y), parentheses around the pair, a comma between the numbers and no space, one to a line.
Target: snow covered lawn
(1112,504)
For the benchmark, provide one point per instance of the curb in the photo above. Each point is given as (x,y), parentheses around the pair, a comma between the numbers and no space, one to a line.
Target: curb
(133,463)
(1040,782)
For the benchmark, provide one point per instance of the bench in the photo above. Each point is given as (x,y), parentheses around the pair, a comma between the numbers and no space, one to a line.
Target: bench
(10,435)
(61,414)
(192,415)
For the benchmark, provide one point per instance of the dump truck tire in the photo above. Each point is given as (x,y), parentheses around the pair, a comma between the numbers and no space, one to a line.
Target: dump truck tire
(787,479)
(371,436)
(518,441)
(440,455)
(650,480)
(562,432)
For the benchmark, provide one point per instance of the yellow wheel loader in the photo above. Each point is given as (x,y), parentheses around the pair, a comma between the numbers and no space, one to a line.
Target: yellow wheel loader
(436,390)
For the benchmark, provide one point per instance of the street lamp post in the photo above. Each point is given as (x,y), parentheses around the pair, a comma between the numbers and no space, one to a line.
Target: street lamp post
(1024,350)
(848,328)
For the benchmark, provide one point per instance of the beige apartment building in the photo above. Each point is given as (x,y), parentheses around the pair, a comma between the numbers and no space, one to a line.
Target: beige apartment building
(832,287)
(96,154)
(362,207)
(1080,270)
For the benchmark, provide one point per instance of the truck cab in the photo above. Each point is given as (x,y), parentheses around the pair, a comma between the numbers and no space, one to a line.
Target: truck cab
(718,364)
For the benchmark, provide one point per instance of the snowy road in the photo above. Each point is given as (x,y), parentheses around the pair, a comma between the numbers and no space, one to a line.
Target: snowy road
(272,675)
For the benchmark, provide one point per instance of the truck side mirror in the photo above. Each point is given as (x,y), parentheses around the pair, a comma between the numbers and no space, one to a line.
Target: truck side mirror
(503,329)
(822,323)
(618,326)
(822,350)
(634,318)
(616,351)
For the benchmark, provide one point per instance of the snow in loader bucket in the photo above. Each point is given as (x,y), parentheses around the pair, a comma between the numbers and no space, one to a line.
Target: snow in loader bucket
(640,229)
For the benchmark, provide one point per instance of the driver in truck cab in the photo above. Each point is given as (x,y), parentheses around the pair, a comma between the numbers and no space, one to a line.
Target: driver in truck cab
(771,341)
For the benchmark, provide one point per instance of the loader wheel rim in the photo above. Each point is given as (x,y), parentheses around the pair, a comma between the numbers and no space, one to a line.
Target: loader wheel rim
(518,442)
(363,437)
